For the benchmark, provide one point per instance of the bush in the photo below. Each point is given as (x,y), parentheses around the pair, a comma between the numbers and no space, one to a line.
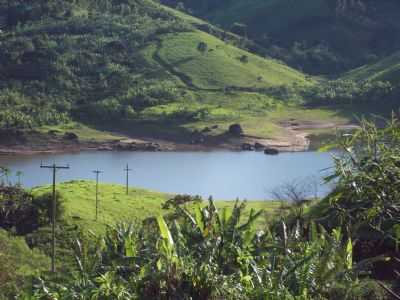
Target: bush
(349,92)
(21,212)
(367,175)
(44,206)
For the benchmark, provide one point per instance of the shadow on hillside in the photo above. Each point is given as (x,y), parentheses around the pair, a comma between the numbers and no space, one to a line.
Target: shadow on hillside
(377,112)
(183,61)
(156,129)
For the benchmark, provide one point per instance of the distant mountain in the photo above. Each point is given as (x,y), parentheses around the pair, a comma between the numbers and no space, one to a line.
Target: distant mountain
(318,36)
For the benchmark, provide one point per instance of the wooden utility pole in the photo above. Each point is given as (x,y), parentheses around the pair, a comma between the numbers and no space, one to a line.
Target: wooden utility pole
(127,170)
(54,167)
(97,172)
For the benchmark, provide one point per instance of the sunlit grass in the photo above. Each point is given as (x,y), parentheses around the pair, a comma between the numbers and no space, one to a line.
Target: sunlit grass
(116,206)
(84,132)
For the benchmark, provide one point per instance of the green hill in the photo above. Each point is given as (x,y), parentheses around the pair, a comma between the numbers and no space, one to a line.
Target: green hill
(223,64)
(130,64)
(387,69)
(319,36)
(116,206)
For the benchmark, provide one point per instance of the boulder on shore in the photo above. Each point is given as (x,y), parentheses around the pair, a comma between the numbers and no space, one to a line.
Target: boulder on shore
(197,137)
(152,147)
(247,147)
(53,132)
(259,146)
(271,151)
(70,136)
(236,129)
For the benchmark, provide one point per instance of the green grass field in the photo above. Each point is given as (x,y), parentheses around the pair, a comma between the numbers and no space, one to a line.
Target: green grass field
(84,132)
(202,78)
(116,206)
(220,66)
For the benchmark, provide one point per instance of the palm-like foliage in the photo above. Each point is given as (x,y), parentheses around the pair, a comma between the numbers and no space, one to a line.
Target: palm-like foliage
(368,173)
(204,253)
(5,175)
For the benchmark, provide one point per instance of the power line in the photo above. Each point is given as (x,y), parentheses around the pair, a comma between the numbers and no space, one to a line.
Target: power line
(127,170)
(97,172)
(54,167)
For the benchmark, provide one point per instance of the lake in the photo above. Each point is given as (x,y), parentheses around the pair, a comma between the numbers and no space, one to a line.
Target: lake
(225,175)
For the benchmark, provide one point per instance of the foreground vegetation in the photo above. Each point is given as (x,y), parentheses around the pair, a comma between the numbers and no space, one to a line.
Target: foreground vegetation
(157,247)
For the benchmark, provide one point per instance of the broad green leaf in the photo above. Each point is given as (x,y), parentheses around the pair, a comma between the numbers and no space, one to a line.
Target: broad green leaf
(349,254)
(164,230)
(199,218)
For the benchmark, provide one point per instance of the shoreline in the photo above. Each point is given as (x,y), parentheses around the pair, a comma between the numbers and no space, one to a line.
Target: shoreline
(153,145)
(295,139)
(27,151)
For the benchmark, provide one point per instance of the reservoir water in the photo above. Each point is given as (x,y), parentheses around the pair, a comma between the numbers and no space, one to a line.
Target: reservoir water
(223,174)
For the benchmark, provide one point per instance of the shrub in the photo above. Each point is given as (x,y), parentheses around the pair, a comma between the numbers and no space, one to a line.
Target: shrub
(21,212)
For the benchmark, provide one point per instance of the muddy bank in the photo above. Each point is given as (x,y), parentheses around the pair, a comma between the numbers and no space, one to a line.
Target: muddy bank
(294,137)
(234,144)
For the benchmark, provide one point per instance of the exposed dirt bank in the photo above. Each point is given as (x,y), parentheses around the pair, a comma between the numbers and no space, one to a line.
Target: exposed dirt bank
(294,137)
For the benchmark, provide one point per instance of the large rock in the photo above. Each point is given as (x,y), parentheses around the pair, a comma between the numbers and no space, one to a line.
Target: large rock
(247,147)
(271,151)
(152,147)
(121,146)
(197,137)
(259,146)
(236,129)
(53,132)
(70,136)
(206,130)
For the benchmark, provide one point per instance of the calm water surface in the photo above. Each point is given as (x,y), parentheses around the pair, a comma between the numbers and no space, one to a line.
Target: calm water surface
(222,174)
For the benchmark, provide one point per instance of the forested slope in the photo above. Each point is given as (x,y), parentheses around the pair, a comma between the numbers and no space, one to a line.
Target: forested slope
(386,69)
(319,36)
(122,61)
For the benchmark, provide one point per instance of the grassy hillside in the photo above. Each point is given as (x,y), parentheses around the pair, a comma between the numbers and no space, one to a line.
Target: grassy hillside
(123,66)
(223,65)
(320,36)
(116,206)
(387,69)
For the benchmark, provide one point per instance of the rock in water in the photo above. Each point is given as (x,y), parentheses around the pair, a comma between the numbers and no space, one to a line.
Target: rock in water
(247,147)
(271,151)
(259,146)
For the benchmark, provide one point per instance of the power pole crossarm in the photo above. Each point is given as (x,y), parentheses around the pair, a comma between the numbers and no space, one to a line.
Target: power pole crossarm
(54,168)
